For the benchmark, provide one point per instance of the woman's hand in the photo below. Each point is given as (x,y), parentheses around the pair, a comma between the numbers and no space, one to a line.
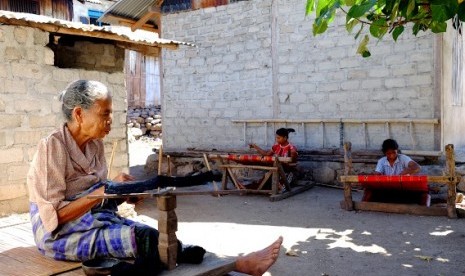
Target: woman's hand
(123,177)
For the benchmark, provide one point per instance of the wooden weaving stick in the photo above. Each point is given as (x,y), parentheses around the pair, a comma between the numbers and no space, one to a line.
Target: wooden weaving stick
(209,169)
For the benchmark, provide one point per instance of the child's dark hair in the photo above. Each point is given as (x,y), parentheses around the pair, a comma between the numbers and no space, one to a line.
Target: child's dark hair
(284,132)
(389,144)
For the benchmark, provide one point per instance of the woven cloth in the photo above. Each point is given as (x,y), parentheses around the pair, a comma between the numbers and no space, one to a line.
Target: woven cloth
(397,182)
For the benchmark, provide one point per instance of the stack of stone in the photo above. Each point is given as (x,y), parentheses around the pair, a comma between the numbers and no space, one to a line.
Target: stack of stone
(144,121)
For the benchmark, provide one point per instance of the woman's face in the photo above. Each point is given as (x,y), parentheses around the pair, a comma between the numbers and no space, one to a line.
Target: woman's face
(391,154)
(96,121)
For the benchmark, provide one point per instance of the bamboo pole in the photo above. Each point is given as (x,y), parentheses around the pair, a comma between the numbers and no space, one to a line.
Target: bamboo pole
(353,121)
(115,143)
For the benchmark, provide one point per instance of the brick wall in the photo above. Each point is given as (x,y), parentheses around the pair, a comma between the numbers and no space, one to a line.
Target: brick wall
(247,67)
(29,110)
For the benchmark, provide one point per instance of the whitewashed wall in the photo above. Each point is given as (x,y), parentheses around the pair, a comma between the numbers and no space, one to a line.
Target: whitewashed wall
(247,67)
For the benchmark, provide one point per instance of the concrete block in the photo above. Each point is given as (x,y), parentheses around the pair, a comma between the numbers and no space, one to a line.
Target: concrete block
(11,155)
(29,71)
(8,121)
(13,54)
(17,172)
(27,137)
(21,34)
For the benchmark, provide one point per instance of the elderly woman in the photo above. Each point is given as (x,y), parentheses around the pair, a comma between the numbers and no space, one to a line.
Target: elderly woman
(69,165)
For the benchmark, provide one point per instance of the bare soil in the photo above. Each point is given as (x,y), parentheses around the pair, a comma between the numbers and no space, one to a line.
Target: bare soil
(319,237)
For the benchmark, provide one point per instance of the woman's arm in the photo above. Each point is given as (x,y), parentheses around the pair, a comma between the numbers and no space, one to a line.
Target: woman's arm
(412,168)
(79,207)
(260,150)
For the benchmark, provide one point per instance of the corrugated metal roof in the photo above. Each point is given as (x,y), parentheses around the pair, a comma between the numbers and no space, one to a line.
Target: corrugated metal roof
(94,1)
(116,33)
(134,9)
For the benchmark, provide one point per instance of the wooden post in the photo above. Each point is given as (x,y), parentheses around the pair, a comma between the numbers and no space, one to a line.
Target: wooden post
(275,179)
(160,159)
(207,163)
(168,158)
(451,192)
(349,204)
(167,227)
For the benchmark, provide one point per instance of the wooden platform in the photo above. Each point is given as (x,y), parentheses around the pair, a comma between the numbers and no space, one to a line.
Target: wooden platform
(19,256)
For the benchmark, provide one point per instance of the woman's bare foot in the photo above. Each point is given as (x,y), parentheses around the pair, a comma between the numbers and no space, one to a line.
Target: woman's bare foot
(257,263)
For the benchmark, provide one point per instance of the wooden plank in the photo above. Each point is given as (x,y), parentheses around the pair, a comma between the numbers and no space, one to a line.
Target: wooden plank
(301,187)
(399,208)
(28,261)
(212,265)
(153,11)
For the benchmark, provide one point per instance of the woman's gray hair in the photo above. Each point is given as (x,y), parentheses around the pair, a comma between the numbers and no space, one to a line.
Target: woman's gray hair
(81,93)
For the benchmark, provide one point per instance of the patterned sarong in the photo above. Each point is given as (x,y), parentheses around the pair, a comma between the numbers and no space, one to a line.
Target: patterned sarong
(98,233)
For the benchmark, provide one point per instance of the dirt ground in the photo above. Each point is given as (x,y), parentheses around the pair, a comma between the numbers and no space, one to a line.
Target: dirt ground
(319,237)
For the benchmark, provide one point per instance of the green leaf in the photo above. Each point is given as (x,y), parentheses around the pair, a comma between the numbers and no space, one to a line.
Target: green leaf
(461,11)
(438,27)
(397,31)
(320,28)
(395,10)
(357,11)
(379,28)
(442,13)
(350,24)
(349,3)
(321,5)
(310,7)
(362,47)
(411,6)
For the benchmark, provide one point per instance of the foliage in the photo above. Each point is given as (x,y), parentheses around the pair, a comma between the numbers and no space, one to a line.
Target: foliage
(381,17)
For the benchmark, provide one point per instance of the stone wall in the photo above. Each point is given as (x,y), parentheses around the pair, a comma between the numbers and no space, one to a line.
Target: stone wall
(247,67)
(29,110)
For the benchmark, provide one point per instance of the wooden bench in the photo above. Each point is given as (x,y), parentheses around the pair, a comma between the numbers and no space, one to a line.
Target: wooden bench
(450,180)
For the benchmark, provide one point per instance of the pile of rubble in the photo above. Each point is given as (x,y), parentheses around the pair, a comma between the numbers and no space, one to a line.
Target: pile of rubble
(144,121)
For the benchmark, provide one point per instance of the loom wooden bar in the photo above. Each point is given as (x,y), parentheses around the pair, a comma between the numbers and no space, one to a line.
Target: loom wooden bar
(399,208)
(254,167)
(349,204)
(354,121)
(451,191)
(282,175)
(233,179)
(265,179)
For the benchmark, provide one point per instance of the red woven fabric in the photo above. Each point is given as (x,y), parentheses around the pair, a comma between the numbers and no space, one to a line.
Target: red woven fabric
(399,182)
(250,158)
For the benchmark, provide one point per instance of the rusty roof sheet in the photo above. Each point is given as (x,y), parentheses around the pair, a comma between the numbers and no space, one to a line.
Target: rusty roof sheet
(116,33)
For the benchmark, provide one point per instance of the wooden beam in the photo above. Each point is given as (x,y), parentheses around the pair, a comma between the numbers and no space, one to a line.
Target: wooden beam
(145,50)
(129,22)
(153,11)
